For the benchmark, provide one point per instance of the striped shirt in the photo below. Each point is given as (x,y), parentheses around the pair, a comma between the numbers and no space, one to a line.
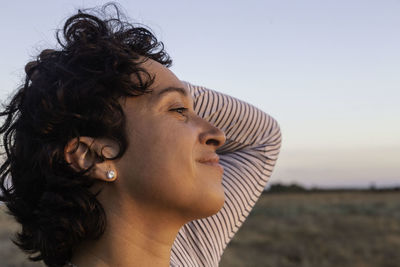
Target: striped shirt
(248,156)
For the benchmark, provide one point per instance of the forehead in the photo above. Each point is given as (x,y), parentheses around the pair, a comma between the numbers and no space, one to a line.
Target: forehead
(165,81)
(159,94)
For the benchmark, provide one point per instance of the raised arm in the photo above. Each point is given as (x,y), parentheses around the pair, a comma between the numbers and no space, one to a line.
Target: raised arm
(249,155)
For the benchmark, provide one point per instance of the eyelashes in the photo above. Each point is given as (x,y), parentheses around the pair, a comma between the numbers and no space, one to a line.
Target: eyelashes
(180,110)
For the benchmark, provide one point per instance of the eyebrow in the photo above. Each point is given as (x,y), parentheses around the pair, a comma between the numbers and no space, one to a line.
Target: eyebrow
(164,91)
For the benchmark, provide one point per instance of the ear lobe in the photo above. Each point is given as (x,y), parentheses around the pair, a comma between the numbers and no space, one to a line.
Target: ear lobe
(83,152)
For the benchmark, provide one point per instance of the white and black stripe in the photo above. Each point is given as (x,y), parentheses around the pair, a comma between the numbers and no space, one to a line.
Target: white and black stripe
(253,140)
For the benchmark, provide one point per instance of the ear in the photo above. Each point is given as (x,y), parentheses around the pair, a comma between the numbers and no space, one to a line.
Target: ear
(84,151)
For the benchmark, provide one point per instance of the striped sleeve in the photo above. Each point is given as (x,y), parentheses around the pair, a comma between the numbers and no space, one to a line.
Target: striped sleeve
(248,156)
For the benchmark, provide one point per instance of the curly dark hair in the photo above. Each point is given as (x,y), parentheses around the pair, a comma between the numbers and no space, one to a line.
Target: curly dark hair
(69,92)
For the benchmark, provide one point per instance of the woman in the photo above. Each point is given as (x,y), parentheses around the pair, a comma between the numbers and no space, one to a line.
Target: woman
(114,161)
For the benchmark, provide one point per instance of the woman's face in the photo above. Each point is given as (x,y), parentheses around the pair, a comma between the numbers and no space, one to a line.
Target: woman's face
(161,167)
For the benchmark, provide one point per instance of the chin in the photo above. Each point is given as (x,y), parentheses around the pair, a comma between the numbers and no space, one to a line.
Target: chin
(211,204)
(217,207)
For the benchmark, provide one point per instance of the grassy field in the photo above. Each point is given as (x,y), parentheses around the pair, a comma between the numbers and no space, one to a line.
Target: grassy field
(342,229)
(346,229)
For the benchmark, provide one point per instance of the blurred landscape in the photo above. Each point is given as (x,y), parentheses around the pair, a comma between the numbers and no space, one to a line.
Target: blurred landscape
(292,226)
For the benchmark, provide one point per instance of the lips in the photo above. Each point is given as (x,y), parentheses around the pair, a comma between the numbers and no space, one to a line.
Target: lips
(212,160)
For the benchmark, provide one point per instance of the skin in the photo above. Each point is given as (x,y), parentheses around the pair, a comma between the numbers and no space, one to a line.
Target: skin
(160,184)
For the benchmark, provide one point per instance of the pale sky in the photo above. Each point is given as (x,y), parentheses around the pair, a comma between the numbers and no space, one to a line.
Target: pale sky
(327,71)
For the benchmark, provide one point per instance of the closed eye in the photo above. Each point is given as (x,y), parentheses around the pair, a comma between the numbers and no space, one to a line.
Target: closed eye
(180,110)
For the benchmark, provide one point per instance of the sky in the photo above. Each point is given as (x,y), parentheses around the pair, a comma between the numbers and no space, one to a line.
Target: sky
(327,71)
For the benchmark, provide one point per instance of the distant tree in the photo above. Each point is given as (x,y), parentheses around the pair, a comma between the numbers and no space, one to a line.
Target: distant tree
(372,186)
(282,188)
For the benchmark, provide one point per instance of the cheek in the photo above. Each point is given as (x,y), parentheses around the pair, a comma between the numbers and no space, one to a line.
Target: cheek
(159,162)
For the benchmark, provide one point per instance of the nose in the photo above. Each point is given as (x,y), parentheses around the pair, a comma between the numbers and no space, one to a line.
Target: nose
(212,136)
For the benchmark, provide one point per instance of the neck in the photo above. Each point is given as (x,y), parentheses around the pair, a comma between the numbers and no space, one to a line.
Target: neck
(134,236)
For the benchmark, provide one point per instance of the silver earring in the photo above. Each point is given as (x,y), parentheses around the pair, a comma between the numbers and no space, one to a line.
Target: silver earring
(110,174)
